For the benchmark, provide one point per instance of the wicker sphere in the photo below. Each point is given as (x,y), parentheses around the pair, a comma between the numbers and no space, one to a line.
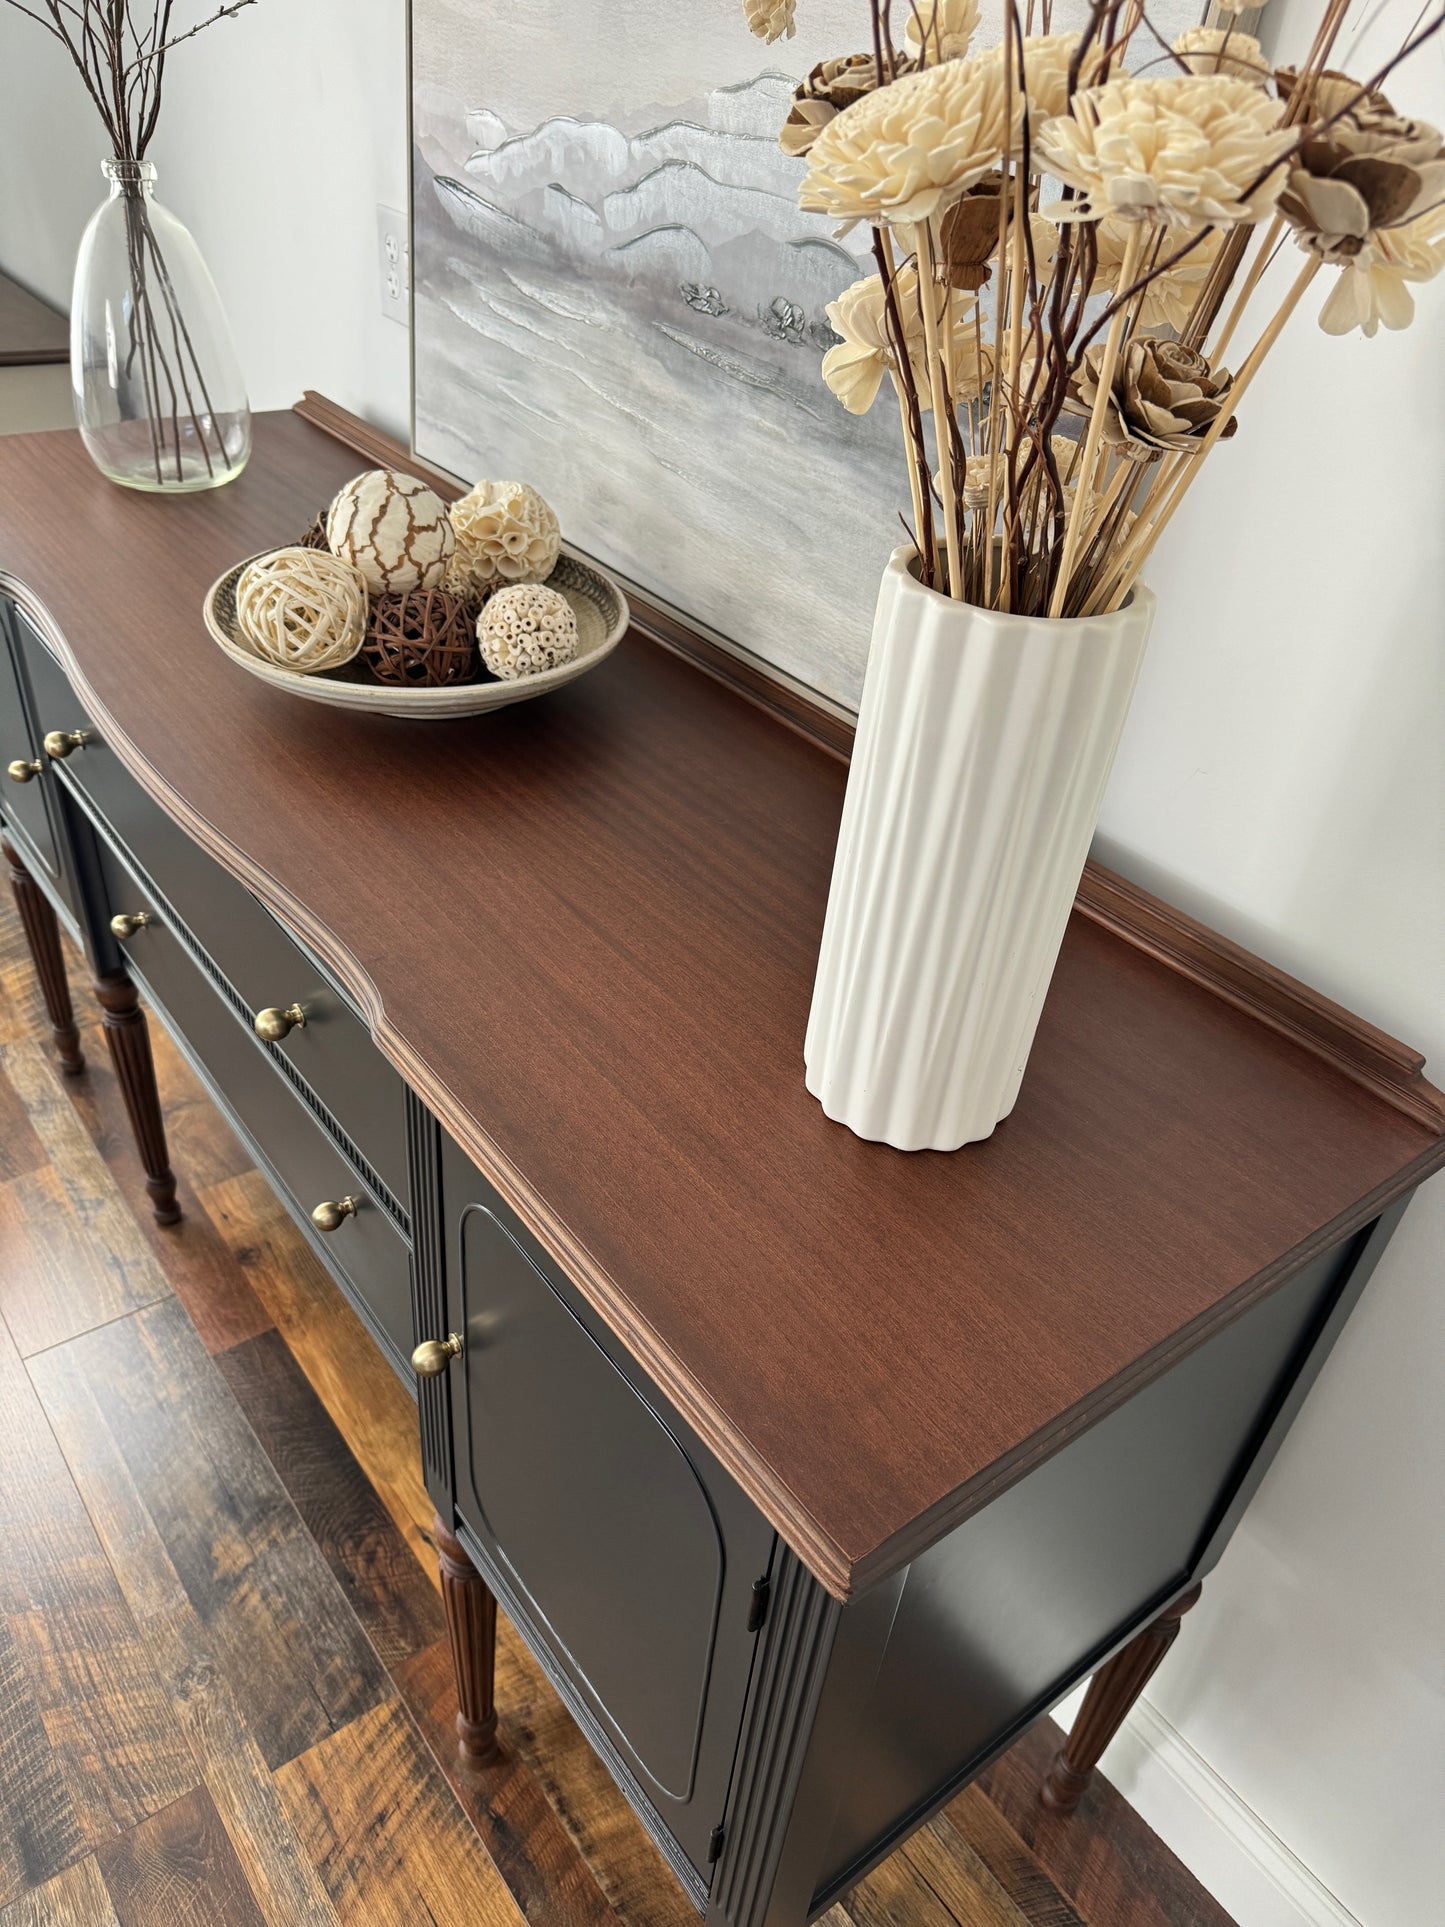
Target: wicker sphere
(505,532)
(394,529)
(315,536)
(302,608)
(525,629)
(424,639)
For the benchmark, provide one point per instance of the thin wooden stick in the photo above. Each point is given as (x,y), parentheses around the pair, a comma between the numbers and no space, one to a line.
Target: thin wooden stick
(1251,281)
(941,406)
(1084,485)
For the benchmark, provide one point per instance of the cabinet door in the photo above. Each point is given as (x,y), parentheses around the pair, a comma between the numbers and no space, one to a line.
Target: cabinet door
(630,1552)
(28,805)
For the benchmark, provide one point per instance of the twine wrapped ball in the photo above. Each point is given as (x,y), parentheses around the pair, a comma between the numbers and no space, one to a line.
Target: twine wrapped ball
(526,629)
(302,608)
(505,532)
(424,639)
(394,529)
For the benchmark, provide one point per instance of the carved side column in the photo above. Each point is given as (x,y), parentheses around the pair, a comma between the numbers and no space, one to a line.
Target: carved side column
(129,1043)
(472,1624)
(42,935)
(1112,1691)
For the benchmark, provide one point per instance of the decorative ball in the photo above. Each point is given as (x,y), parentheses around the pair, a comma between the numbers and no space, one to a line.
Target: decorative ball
(424,639)
(525,629)
(315,536)
(302,608)
(505,532)
(394,529)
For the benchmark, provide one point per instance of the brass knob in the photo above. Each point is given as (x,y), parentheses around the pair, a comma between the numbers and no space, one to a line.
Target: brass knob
(125,926)
(273,1024)
(60,742)
(433,1355)
(22,772)
(331,1216)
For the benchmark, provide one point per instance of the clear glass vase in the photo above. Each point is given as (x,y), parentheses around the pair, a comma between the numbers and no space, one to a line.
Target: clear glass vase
(158,393)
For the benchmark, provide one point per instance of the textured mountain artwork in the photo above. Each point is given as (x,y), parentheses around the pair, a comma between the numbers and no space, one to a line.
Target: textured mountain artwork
(618,300)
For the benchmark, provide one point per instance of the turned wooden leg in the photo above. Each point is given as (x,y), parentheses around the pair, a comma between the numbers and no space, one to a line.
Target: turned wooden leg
(42,934)
(129,1042)
(472,1624)
(1112,1691)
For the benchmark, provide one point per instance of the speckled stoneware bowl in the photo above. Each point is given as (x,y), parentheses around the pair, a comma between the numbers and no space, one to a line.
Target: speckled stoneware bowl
(597,602)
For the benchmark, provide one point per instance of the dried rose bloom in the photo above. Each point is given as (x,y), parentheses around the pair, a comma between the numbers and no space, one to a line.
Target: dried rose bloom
(1163,396)
(828,89)
(1352,177)
(771,20)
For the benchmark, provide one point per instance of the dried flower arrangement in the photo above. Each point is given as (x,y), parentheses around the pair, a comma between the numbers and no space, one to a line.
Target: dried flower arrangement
(1115,306)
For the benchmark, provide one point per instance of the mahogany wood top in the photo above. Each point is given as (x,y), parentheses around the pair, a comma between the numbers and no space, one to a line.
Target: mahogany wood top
(584,928)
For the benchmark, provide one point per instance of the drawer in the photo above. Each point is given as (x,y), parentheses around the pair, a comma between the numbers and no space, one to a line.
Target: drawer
(31,806)
(333,1052)
(366,1253)
(627,1549)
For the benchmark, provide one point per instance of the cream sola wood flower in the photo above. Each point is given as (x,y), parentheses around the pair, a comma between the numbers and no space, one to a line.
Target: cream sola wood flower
(941,29)
(1167,300)
(855,368)
(1366,193)
(1187,150)
(1223,50)
(904,152)
(771,20)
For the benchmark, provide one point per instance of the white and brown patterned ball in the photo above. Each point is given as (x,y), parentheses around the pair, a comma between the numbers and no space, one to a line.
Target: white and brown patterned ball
(302,608)
(394,529)
(526,629)
(505,532)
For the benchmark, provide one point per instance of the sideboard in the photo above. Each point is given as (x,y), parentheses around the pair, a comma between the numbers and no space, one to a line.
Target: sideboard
(812,1472)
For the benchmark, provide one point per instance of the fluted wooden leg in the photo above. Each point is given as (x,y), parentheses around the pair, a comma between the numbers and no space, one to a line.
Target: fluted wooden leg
(42,934)
(1112,1691)
(129,1042)
(472,1624)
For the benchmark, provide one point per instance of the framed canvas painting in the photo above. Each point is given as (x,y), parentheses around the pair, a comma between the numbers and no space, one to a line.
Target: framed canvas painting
(617,299)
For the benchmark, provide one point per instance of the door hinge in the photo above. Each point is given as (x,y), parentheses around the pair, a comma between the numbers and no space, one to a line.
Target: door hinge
(758,1604)
(715,1844)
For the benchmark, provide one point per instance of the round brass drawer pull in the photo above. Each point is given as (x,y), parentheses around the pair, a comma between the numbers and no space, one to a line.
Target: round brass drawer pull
(125,926)
(21,772)
(331,1216)
(274,1023)
(60,742)
(433,1355)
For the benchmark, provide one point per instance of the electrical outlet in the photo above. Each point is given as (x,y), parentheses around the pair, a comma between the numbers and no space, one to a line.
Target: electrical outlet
(394,262)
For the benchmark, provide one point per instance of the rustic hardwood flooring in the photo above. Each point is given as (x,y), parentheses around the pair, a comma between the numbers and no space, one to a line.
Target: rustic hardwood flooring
(225,1697)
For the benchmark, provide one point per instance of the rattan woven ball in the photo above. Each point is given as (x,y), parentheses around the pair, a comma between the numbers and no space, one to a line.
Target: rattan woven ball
(302,608)
(315,536)
(425,639)
(526,629)
(394,529)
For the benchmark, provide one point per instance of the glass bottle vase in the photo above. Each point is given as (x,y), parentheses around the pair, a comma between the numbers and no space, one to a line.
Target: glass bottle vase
(159,398)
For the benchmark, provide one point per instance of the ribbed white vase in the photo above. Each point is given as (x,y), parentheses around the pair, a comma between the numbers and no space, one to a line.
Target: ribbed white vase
(983,748)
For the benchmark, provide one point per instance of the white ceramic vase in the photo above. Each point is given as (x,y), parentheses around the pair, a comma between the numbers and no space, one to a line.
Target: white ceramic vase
(983,749)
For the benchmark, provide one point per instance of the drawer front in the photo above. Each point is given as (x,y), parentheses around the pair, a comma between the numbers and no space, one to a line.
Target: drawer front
(29,805)
(333,1052)
(630,1551)
(366,1253)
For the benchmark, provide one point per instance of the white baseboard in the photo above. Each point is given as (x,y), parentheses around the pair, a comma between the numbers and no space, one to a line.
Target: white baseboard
(1226,1846)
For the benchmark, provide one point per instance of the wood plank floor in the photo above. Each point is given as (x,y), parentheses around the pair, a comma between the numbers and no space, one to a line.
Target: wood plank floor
(225,1696)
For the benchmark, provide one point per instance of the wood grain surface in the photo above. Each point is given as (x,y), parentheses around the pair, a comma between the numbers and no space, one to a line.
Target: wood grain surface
(585,930)
(133,1787)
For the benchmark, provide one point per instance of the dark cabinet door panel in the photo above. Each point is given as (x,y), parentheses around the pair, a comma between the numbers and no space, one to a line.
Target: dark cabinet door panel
(631,1553)
(596,1511)
(28,805)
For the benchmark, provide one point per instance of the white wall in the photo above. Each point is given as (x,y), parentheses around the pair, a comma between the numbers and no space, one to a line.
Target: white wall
(283,130)
(1282,777)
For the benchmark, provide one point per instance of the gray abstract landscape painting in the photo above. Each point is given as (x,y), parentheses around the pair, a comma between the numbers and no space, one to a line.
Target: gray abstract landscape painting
(618,300)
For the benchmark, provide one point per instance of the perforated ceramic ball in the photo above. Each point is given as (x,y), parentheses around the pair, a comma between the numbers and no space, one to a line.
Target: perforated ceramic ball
(394,529)
(302,608)
(505,532)
(526,629)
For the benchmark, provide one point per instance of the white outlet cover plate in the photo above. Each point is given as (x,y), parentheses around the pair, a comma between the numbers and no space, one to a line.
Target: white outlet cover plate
(393,255)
